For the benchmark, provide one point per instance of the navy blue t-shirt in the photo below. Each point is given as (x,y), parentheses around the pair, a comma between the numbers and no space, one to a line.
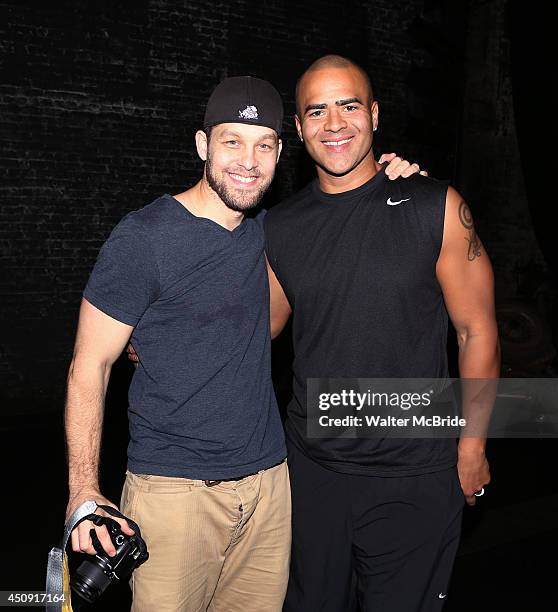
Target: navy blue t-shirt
(201,402)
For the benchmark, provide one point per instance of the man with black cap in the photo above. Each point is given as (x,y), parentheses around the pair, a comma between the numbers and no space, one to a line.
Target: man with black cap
(185,279)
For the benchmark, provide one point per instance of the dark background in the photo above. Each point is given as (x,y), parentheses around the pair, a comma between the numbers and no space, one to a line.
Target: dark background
(99,103)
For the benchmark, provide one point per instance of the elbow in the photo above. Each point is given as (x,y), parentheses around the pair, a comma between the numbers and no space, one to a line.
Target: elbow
(84,368)
(482,346)
(74,370)
(487,333)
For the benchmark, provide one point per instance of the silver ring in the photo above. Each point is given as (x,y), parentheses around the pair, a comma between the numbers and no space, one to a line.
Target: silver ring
(479,493)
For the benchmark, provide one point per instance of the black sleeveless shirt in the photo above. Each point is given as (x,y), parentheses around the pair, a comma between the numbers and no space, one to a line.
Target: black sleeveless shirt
(359,270)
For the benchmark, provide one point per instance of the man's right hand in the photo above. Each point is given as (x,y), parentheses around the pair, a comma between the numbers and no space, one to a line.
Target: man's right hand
(132,355)
(81,538)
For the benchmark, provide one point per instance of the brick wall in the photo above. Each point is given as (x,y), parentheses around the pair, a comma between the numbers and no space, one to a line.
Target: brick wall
(99,102)
(489,171)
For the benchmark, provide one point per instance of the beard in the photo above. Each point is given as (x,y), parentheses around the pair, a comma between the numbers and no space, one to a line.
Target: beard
(235,199)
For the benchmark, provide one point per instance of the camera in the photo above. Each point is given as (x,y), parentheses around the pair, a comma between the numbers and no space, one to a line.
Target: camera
(98,571)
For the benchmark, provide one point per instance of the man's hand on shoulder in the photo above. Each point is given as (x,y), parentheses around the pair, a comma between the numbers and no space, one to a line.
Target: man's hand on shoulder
(399,167)
(81,535)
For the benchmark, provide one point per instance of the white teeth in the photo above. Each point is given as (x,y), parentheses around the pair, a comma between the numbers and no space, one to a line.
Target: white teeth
(244,179)
(336,143)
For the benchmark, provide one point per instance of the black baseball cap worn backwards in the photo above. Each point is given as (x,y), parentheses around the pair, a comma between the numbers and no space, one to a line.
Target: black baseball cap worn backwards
(245,99)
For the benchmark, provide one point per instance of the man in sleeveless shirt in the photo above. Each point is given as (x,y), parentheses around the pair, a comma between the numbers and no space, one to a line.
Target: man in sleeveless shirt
(185,278)
(370,270)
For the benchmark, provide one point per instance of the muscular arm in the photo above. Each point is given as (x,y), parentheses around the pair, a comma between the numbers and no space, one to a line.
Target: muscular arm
(100,340)
(465,275)
(280,309)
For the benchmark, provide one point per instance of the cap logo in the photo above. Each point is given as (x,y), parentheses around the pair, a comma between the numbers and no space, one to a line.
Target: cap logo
(250,112)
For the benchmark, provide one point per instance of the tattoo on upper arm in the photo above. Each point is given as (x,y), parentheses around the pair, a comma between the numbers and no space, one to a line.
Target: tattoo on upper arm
(466,219)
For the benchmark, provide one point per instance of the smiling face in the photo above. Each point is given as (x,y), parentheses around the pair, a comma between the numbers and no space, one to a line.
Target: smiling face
(240,162)
(335,118)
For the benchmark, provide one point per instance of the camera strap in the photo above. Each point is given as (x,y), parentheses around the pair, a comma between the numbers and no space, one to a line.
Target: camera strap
(58,579)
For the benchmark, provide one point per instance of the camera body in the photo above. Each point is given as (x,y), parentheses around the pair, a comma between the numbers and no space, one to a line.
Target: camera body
(98,571)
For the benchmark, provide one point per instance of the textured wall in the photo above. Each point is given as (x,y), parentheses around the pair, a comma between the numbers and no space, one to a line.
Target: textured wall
(99,102)
(489,163)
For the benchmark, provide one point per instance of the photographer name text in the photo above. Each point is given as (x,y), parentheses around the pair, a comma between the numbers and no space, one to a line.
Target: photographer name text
(391,421)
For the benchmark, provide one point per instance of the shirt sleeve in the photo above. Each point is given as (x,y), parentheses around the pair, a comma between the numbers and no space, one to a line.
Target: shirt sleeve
(125,279)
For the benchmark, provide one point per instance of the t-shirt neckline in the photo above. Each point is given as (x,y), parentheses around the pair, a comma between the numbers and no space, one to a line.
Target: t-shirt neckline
(370,185)
(239,229)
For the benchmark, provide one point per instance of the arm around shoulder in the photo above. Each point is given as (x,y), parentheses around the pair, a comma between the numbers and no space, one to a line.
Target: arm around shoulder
(280,309)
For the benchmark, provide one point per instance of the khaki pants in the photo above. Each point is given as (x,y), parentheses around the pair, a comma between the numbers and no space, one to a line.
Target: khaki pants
(224,548)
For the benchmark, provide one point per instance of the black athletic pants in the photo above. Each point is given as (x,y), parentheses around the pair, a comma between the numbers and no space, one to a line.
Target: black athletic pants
(388,543)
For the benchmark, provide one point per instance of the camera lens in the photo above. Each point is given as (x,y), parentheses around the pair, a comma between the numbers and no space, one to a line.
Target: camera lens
(89,581)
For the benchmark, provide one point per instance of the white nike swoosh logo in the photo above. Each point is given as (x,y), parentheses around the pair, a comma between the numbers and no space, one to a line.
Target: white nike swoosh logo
(442,595)
(390,203)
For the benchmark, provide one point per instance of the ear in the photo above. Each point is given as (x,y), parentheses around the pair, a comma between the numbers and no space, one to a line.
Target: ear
(374,109)
(202,144)
(279,149)
(298,126)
